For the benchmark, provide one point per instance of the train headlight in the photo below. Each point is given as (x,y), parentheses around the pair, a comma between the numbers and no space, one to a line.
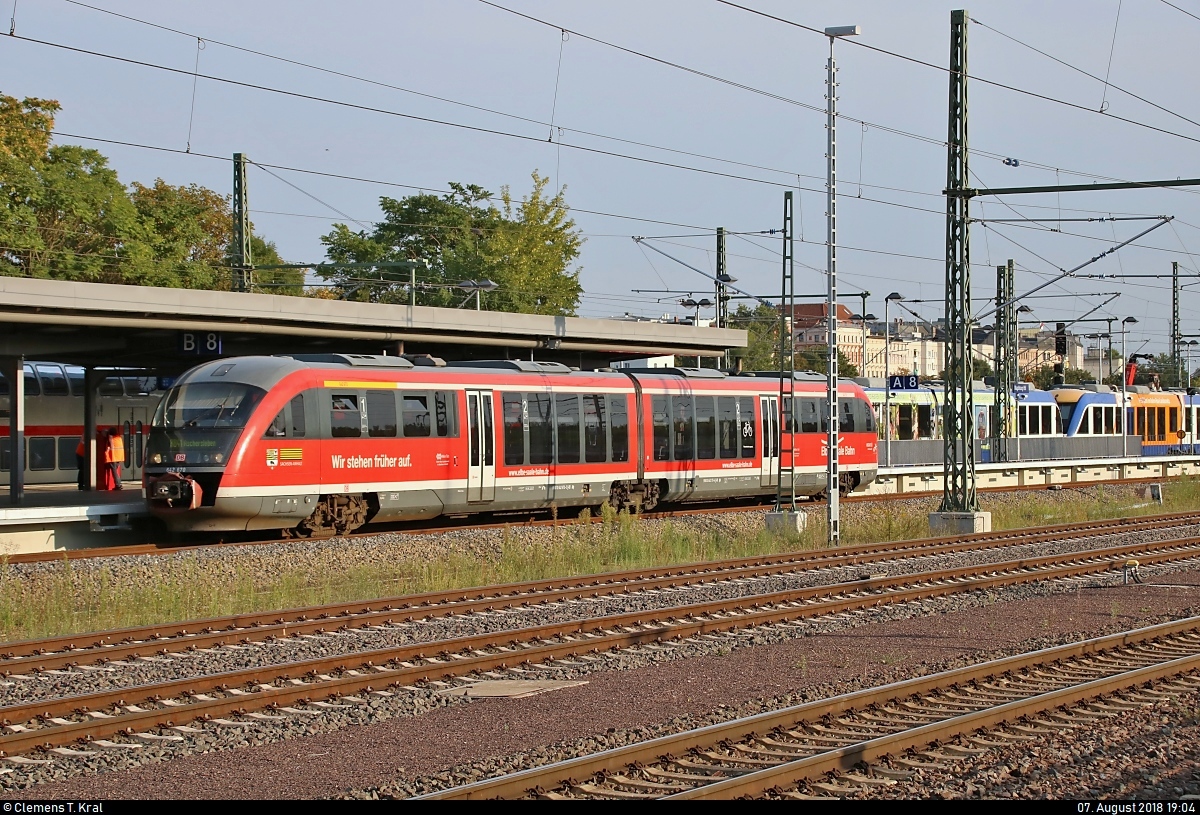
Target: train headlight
(156,458)
(219,457)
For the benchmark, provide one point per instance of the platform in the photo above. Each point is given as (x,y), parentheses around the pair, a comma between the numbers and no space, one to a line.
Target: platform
(54,517)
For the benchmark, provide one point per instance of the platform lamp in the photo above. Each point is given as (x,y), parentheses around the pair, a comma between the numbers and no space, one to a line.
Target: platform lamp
(697,305)
(477,287)
(1124,428)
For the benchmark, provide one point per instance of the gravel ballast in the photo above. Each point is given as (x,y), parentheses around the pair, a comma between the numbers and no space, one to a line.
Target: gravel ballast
(91,679)
(396,753)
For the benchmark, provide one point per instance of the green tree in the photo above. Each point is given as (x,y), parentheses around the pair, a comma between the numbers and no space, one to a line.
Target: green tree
(528,248)
(65,214)
(761,325)
(814,359)
(1043,377)
(979,369)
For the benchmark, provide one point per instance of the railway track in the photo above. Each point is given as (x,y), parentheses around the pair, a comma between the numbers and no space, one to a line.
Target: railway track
(438,526)
(132,643)
(306,687)
(832,747)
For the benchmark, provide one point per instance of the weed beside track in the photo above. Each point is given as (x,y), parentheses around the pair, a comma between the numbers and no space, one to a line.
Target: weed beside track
(53,598)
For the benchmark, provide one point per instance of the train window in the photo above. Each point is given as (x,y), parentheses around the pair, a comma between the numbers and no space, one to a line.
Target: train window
(1058,424)
(5,454)
(706,427)
(54,381)
(1162,424)
(32,388)
(445,413)
(618,419)
(139,441)
(1035,422)
(473,426)
(595,432)
(683,422)
(111,386)
(727,426)
(278,427)
(66,452)
(136,385)
(1173,422)
(41,453)
(566,410)
(660,407)
(298,417)
(541,428)
(1110,420)
(786,416)
(489,437)
(416,415)
(3,385)
(345,420)
(1085,422)
(514,428)
(381,413)
(746,423)
(208,405)
(127,432)
(810,418)
(77,377)
(846,417)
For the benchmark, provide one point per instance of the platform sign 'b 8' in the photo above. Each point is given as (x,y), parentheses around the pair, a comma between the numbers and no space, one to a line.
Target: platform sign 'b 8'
(200,343)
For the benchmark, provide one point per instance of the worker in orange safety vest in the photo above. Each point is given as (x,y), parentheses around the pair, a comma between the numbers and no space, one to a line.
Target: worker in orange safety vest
(114,456)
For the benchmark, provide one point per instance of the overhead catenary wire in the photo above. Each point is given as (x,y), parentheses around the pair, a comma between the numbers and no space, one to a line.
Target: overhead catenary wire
(1088,74)
(343,74)
(451,124)
(905,57)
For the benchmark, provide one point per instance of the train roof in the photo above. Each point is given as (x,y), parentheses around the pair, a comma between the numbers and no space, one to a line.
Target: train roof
(267,371)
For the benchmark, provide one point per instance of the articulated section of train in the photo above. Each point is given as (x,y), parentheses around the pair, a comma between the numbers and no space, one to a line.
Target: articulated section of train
(1151,423)
(321,445)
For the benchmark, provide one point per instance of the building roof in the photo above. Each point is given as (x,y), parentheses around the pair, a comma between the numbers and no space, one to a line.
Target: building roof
(97,323)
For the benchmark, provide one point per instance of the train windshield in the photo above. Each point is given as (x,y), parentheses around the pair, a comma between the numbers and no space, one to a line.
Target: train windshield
(208,406)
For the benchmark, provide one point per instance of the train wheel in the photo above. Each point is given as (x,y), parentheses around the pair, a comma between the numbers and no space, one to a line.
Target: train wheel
(847,482)
(333,515)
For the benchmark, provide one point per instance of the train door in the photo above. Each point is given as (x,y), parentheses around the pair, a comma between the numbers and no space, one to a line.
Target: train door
(770,440)
(133,422)
(481,460)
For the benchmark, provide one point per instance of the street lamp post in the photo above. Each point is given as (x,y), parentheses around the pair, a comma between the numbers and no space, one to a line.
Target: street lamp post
(887,377)
(832,475)
(864,294)
(477,287)
(862,318)
(1124,428)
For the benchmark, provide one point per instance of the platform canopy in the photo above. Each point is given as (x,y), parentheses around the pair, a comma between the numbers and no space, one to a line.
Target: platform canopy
(170,330)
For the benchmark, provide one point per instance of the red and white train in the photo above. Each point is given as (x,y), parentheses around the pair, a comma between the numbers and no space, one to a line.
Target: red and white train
(54,419)
(321,445)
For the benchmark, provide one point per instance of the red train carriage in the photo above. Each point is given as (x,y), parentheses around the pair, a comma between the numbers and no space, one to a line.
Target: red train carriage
(323,444)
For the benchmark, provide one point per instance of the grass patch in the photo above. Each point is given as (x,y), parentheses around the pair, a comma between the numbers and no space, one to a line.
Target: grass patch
(65,598)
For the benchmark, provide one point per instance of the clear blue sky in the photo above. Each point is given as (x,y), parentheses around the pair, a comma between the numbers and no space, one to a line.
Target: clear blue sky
(473,53)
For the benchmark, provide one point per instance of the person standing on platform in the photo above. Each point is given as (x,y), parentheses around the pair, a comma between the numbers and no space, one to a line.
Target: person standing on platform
(115,456)
(81,463)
